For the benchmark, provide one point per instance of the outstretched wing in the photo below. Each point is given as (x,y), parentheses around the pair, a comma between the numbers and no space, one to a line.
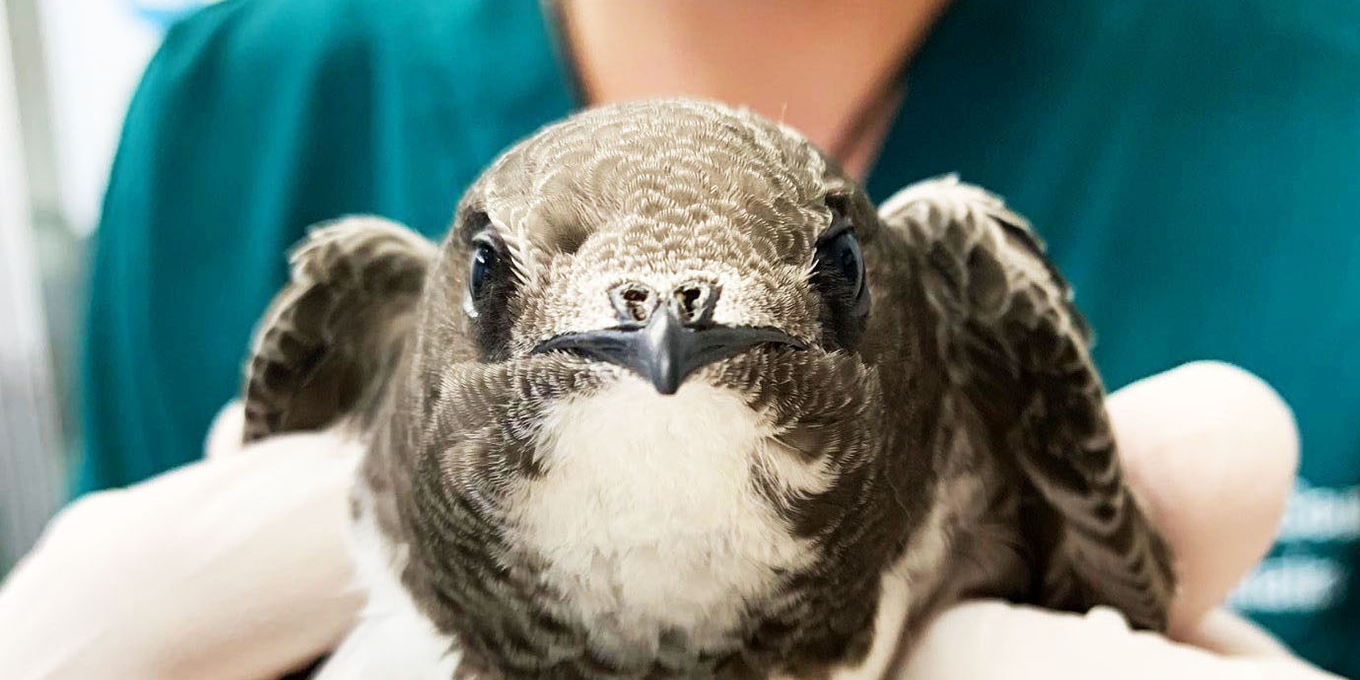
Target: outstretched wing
(1017,350)
(331,338)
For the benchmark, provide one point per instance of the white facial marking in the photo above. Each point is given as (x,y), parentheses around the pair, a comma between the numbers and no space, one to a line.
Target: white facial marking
(647,514)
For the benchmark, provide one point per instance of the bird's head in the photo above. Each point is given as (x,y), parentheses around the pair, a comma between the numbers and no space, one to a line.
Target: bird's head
(660,240)
(675,255)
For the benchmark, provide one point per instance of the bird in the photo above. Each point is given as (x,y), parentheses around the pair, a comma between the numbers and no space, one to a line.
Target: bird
(674,399)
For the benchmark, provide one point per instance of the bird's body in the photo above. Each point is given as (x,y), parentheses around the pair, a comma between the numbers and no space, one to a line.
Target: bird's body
(673,400)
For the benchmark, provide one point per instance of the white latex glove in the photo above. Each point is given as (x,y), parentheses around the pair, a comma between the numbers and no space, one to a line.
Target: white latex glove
(235,568)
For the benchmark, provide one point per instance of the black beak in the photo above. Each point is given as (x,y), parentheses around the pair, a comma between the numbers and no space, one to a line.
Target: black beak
(666,351)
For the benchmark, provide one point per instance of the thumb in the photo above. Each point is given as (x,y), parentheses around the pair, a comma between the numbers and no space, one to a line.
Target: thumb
(1026,642)
(226,435)
(1210,452)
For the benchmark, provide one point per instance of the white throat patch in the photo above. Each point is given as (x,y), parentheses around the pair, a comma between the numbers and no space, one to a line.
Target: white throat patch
(647,513)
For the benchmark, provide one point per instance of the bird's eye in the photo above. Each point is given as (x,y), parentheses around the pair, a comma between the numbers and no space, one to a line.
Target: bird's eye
(840,269)
(840,276)
(488,287)
(482,268)
(842,254)
(484,259)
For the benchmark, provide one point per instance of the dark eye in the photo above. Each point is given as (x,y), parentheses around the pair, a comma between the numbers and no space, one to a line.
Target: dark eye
(842,254)
(488,286)
(840,270)
(839,275)
(483,269)
(484,260)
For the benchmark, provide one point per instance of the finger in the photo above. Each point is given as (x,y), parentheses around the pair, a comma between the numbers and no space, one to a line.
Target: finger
(272,564)
(1226,633)
(226,435)
(1210,452)
(227,569)
(1027,642)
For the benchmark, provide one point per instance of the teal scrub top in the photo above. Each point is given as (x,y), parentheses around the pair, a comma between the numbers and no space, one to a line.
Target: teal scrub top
(1194,166)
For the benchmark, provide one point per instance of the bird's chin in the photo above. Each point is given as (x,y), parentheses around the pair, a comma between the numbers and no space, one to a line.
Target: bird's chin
(649,514)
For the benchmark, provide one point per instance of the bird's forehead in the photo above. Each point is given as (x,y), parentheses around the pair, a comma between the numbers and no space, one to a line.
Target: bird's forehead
(652,169)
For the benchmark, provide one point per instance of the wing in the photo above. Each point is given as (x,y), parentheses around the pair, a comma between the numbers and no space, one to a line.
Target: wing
(331,338)
(1017,350)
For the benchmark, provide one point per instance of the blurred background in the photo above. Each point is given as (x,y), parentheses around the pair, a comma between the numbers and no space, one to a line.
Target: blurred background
(67,71)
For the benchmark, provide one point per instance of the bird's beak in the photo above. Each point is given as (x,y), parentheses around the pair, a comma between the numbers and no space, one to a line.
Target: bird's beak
(666,351)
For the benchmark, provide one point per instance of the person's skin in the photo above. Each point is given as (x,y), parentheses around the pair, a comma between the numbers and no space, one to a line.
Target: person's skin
(813,64)
(235,568)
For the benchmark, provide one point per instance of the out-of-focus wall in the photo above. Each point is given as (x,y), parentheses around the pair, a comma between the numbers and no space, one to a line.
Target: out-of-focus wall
(95,52)
(29,443)
(67,71)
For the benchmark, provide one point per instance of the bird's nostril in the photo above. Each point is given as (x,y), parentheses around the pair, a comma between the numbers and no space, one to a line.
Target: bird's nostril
(633,302)
(694,301)
(688,300)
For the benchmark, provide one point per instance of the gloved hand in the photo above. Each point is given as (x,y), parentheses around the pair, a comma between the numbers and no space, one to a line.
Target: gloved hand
(226,569)
(234,568)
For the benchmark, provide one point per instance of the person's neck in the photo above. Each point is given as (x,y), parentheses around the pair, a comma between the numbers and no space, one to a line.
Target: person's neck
(814,64)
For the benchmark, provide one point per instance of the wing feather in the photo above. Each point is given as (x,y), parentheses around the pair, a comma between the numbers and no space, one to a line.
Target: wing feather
(328,342)
(1017,349)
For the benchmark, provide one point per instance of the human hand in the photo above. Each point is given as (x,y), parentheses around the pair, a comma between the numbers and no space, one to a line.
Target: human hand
(1210,452)
(232,568)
